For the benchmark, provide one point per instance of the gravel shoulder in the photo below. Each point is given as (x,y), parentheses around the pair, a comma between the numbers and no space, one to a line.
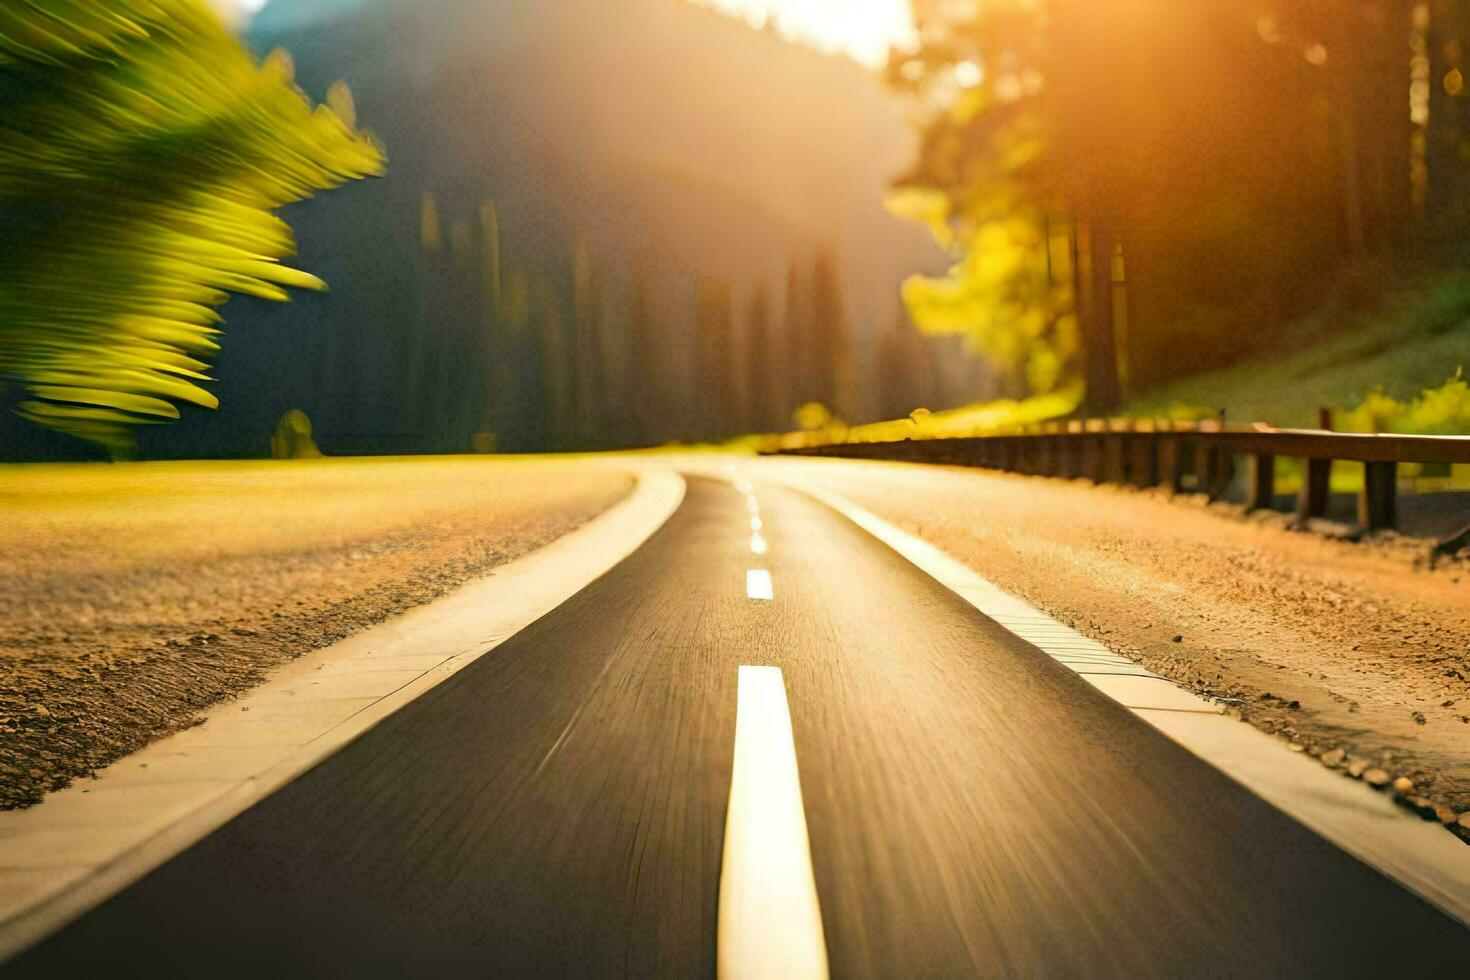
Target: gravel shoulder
(1358,654)
(138,595)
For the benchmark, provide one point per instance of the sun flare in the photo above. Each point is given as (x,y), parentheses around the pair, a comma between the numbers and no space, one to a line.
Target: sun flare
(861,29)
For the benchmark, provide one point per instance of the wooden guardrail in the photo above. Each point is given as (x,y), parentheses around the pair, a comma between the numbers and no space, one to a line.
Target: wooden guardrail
(1185,456)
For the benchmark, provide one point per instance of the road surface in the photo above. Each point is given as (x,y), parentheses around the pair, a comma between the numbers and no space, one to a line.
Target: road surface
(560,806)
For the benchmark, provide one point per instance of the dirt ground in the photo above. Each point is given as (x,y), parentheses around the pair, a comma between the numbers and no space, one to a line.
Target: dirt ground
(1356,653)
(138,595)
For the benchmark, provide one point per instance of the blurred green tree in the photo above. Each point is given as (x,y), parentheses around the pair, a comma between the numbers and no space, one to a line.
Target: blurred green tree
(142,152)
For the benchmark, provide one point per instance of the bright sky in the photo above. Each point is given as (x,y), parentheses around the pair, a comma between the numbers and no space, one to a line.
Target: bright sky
(861,29)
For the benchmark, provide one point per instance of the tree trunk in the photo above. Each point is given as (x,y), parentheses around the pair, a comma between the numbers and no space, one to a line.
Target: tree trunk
(1099,353)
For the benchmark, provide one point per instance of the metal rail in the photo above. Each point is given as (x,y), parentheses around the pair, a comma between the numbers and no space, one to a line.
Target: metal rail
(1184,456)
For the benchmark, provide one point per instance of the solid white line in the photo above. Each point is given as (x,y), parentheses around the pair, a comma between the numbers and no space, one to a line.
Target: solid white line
(758,584)
(757,543)
(770,922)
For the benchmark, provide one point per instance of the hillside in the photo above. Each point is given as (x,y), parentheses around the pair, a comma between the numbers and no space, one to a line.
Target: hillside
(1415,338)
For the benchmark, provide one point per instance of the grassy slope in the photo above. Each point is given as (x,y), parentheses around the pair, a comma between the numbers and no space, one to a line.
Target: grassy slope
(1416,338)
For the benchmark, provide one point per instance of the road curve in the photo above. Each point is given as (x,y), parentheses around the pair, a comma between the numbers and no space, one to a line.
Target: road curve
(558,807)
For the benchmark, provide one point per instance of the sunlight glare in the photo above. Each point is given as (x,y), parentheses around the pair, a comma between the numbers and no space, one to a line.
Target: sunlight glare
(860,29)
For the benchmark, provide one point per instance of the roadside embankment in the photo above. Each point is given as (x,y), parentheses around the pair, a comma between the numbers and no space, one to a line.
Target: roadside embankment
(139,594)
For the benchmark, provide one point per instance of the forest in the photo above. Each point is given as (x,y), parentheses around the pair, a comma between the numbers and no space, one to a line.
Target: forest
(588,227)
(563,253)
(1141,190)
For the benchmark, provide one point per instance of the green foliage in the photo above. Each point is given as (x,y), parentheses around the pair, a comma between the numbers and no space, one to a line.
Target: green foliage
(818,428)
(1443,411)
(975,186)
(1002,296)
(142,151)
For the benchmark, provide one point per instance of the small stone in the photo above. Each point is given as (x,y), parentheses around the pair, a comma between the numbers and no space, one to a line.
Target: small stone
(1357,765)
(1403,785)
(1464,821)
(1178,638)
(1297,747)
(1333,758)
(1376,777)
(41,710)
(1444,814)
(1419,718)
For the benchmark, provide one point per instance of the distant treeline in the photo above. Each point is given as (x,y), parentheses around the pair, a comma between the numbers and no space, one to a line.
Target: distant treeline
(1142,189)
(517,354)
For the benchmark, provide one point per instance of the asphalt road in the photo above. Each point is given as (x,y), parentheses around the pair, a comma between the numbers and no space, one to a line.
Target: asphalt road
(559,807)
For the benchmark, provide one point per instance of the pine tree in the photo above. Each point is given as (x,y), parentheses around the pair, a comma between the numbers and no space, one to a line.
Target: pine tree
(831,345)
(641,390)
(759,372)
(798,384)
(715,394)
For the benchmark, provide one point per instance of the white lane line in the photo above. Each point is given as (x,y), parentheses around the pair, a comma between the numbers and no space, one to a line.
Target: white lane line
(770,923)
(751,504)
(758,584)
(755,522)
(757,543)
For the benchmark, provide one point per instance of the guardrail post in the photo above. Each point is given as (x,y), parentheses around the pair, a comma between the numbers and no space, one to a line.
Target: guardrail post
(1115,461)
(1092,459)
(1008,454)
(1167,475)
(1067,462)
(1316,485)
(1049,453)
(1377,503)
(1262,482)
(1031,456)
(1204,466)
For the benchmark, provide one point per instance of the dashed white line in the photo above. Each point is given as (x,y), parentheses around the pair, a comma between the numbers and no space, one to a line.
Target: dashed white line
(758,584)
(757,543)
(770,922)
(755,522)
